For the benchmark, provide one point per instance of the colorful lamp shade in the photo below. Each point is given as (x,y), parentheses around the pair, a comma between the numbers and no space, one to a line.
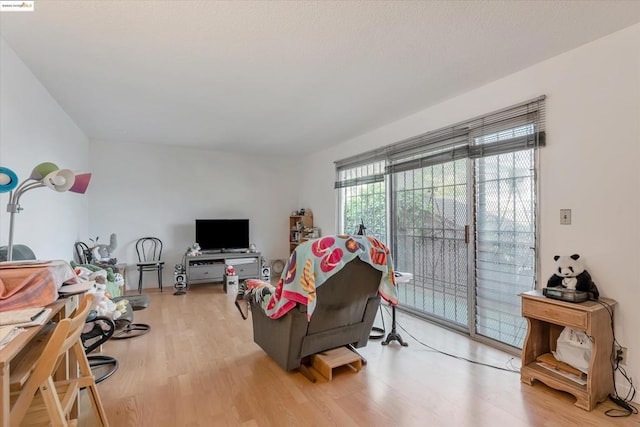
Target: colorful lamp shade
(42,170)
(81,183)
(8,180)
(60,180)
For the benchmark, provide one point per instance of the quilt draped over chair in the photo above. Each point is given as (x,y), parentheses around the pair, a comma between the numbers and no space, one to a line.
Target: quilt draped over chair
(327,297)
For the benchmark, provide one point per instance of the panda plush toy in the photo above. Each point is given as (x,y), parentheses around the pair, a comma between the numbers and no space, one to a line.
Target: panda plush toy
(570,274)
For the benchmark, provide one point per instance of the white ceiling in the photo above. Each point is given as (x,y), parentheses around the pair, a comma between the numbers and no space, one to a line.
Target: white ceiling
(283,76)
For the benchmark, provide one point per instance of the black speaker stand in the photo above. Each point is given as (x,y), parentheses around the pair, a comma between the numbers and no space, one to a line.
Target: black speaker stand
(394,335)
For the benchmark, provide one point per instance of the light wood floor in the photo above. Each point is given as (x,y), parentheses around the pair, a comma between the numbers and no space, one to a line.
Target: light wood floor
(199,367)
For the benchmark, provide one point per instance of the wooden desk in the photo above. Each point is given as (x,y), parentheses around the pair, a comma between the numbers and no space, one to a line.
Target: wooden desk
(547,318)
(17,354)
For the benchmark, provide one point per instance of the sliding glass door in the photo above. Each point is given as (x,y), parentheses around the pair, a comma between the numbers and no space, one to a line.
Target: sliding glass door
(466,231)
(457,207)
(434,209)
(429,234)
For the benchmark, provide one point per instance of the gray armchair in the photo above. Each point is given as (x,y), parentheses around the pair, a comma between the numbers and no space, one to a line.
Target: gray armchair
(346,308)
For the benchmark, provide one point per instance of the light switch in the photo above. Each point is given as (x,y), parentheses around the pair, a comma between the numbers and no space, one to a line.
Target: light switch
(565,216)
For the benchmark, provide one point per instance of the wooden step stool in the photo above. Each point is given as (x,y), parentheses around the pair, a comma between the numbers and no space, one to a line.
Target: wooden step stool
(327,360)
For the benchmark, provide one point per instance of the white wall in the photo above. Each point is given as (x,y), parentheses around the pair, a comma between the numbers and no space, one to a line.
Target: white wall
(135,189)
(139,190)
(590,164)
(35,129)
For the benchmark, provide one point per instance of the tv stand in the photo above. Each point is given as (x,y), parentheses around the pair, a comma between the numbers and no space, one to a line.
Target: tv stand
(210,267)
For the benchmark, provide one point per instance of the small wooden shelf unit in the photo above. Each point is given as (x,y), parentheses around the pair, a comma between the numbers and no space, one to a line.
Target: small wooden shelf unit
(297,224)
(546,319)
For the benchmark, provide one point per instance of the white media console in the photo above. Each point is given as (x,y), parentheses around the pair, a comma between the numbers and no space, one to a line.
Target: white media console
(210,267)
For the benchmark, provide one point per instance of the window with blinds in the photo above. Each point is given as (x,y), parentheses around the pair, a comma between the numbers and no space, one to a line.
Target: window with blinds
(459,207)
(362,198)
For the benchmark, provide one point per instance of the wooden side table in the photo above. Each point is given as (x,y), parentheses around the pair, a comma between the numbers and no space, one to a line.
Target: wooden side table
(546,319)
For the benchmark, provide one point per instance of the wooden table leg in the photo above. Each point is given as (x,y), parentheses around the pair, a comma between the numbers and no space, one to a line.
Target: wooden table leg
(5,397)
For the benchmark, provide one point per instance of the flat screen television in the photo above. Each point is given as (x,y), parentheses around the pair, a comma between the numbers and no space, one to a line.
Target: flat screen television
(222,234)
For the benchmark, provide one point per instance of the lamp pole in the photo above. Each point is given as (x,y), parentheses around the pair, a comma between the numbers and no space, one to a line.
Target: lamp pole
(14,207)
(12,213)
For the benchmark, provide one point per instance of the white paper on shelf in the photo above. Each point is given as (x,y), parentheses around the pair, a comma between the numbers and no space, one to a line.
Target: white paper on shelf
(567,375)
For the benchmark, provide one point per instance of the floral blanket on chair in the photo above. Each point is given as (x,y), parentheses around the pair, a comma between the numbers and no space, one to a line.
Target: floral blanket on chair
(311,264)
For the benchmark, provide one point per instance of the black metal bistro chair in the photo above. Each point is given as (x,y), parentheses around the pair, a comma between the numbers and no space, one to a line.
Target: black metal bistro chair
(149,251)
(83,253)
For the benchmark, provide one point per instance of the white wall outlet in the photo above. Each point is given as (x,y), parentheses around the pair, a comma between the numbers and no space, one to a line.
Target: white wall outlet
(565,216)
(621,355)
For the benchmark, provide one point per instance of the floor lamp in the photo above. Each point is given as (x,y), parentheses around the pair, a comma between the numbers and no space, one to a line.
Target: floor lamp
(43,175)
